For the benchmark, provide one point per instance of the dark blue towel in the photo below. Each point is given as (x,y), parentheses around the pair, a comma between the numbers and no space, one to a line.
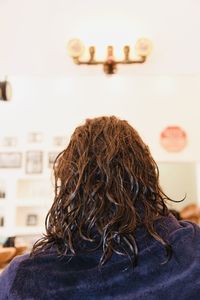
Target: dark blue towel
(49,277)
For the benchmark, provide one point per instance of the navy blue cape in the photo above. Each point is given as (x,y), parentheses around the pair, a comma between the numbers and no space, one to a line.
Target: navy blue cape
(48,277)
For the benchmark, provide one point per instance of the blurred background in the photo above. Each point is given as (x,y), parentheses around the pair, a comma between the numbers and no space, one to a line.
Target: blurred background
(51,95)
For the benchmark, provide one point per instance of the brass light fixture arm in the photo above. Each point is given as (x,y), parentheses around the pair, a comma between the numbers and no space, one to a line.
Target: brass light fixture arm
(91,60)
(98,62)
(110,55)
(110,63)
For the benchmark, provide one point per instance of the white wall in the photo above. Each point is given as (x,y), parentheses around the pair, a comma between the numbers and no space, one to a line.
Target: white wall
(178,180)
(53,95)
(34,34)
(150,103)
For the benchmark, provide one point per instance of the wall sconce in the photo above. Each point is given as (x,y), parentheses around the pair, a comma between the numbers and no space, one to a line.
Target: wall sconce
(76,49)
(5,90)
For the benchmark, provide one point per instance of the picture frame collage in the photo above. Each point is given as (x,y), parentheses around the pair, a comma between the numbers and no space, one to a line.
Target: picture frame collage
(33,160)
(32,156)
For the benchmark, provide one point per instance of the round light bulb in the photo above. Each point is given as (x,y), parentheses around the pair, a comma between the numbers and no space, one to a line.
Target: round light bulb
(143,47)
(75,48)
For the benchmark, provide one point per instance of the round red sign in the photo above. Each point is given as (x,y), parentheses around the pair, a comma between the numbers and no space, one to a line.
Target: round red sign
(173,138)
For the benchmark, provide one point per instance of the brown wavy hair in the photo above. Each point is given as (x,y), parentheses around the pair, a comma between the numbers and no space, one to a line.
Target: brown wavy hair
(106,185)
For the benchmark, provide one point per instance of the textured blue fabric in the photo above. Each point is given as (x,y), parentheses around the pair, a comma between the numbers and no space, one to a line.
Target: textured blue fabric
(48,277)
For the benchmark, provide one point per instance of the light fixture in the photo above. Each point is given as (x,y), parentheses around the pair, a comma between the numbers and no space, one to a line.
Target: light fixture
(76,48)
(5,90)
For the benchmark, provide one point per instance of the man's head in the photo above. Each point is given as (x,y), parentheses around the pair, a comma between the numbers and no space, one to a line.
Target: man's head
(106,184)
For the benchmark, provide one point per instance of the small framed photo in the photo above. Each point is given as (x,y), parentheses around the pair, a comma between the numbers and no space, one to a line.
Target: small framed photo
(32,220)
(1,221)
(59,141)
(34,162)
(9,141)
(35,137)
(2,189)
(10,160)
(51,158)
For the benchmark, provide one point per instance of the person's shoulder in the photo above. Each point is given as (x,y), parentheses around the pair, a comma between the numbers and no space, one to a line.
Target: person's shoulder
(8,275)
(14,264)
(179,231)
(186,227)
(187,233)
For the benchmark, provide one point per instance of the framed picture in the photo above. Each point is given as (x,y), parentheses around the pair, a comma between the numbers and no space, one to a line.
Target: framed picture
(34,162)
(1,221)
(32,220)
(9,141)
(51,158)
(60,141)
(2,194)
(2,189)
(10,159)
(35,137)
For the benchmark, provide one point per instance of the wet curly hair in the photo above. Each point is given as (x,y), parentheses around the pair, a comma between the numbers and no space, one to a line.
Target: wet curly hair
(106,185)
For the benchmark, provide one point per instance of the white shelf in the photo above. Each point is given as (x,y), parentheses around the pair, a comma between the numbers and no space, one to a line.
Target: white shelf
(35,200)
(21,231)
(28,196)
(29,230)
(31,203)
